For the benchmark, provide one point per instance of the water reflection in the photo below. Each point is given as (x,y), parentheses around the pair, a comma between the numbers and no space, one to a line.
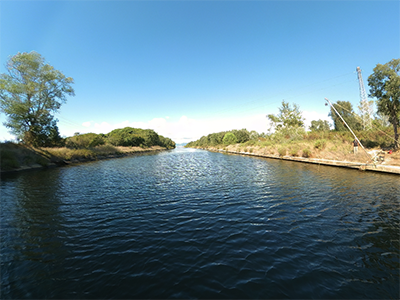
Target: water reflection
(36,231)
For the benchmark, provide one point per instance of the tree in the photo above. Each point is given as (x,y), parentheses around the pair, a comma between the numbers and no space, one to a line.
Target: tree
(215,138)
(384,85)
(345,109)
(241,135)
(30,93)
(288,117)
(229,138)
(320,125)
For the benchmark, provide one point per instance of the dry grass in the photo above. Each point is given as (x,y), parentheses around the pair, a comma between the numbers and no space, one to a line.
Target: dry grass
(332,150)
(92,153)
(14,156)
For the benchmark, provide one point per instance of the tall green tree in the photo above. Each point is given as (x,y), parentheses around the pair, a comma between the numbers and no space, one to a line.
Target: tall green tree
(345,109)
(384,85)
(30,93)
(288,116)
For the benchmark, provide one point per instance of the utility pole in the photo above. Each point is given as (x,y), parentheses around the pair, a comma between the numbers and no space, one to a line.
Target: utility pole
(365,106)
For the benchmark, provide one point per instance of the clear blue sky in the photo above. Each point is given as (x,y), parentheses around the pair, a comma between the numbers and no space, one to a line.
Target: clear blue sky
(189,68)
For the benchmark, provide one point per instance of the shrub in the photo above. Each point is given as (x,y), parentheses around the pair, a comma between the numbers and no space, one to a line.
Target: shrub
(294,151)
(306,153)
(282,151)
(144,138)
(250,143)
(84,141)
(320,144)
(229,139)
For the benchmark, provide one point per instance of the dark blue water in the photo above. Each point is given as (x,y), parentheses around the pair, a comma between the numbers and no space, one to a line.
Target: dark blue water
(196,224)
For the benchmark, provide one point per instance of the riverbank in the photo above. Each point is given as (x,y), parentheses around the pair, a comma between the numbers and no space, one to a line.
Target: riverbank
(359,161)
(16,157)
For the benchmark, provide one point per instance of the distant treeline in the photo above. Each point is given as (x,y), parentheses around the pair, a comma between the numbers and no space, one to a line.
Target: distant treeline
(225,138)
(370,139)
(128,137)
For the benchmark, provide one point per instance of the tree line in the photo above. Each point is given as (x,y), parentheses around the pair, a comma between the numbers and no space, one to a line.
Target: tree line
(127,137)
(32,91)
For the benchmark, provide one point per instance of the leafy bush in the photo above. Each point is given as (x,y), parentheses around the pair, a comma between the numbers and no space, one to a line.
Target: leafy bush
(294,151)
(282,151)
(127,136)
(136,137)
(84,141)
(306,153)
(320,144)
(250,143)
(229,139)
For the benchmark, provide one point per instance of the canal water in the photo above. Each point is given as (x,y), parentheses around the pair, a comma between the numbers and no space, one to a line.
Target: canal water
(194,224)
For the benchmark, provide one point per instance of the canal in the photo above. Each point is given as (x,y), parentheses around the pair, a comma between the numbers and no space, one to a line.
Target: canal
(195,224)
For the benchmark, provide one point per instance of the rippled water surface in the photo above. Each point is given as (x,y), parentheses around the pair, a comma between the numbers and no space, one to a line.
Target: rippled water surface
(195,224)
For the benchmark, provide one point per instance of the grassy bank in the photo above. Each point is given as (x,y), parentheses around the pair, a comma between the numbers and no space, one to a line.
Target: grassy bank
(321,149)
(18,157)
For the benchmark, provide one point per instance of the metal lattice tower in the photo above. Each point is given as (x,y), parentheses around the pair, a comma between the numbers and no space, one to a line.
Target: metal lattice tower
(365,106)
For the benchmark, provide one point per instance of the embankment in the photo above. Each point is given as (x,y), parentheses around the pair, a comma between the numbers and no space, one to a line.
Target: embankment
(384,168)
(16,158)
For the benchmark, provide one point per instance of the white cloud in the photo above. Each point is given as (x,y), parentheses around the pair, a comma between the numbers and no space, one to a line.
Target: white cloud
(86,124)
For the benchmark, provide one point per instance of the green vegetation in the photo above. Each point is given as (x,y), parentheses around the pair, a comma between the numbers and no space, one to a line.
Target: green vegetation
(288,117)
(320,125)
(222,138)
(229,139)
(129,136)
(306,153)
(125,137)
(82,147)
(30,93)
(282,151)
(345,109)
(84,141)
(385,87)
(290,136)
(320,144)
